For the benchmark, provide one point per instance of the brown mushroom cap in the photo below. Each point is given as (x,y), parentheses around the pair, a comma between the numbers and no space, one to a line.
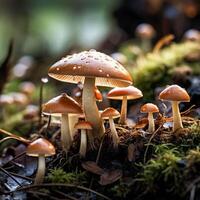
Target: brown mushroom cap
(174,93)
(39,147)
(107,71)
(149,107)
(110,112)
(130,91)
(83,125)
(145,31)
(62,104)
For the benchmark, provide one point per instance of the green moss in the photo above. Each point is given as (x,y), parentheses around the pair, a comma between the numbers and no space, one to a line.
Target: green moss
(60,176)
(153,70)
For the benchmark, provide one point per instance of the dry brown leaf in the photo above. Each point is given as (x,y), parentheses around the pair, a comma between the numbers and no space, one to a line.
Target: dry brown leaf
(110,177)
(92,167)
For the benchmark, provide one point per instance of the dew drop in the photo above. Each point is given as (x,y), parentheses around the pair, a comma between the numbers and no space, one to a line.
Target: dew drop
(57,68)
(74,67)
(100,70)
(107,75)
(79,67)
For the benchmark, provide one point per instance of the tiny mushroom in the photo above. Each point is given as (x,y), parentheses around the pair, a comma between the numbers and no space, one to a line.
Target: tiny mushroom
(92,68)
(110,114)
(27,88)
(191,35)
(175,94)
(150,108)
(63,105)
(40,148)
(145,32)
(83,126)
(124,94)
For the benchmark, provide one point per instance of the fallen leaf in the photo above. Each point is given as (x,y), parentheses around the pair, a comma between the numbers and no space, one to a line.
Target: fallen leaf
(110,177)
(92,167)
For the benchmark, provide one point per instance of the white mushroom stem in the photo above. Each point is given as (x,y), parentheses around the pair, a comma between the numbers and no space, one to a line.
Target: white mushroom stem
(115,136)
(90,107)
(40,171)
(122,119)
(177,122)
(151,127)
(83,145)
(66,138)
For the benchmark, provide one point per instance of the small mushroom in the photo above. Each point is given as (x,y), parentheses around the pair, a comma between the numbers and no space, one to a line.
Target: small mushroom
(124,94)
(83,126)
(145,33)
(191,35)
(63,105)
(27,88)
(175,94)
(92,68)
(150,108)
(40,148)
(110,114)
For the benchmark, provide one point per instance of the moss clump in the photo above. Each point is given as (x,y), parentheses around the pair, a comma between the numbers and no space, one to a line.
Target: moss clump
(60,176)
(154,69)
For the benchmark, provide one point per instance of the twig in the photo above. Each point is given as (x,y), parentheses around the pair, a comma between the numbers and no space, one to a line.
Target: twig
(58,185)
(43,194)
(8,174)
(66,195)
(20,176)
(146,150)
(18,156)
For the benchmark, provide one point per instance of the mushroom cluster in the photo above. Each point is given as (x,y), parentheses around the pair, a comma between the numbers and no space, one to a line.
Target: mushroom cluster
(92,69)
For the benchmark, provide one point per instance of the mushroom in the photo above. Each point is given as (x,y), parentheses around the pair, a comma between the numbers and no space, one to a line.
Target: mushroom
(150,108)
(145,32)
(124,94)
(110,114)
(83,126)
(63,105)
(92,68)
(121,58)
(27,88)
(40,148)
(191,35)
(175,94)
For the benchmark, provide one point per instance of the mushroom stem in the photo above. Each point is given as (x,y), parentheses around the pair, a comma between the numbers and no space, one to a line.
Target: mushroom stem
(41,170)
(146,44)
(122,119)
(115,136)
(66,138)
(83,145)
(90,108)
(177,122)
(151,127)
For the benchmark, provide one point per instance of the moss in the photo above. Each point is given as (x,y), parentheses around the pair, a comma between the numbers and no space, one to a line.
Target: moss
(153,70)
(60,176)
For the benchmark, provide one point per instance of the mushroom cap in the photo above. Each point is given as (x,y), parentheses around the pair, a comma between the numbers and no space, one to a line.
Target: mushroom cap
(27,87)
(149,107)
(39,147)
(98,94)
(192,35)
(83,125)
(6,99)
(110,112)
(131,92)
(107,71)
(19,98)
(174,93)
(61,104)
(145,31)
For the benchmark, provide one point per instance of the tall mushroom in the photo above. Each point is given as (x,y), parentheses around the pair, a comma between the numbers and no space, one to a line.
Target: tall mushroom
(40,148)
(83,126)
(124,94)
(150,108)
(110,114)
(92,68)
(63,105)
(175,94)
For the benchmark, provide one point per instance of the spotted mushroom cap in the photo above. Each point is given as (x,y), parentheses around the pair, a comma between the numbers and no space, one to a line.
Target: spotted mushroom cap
(61,104)
(110,112)
(107,71)
(39,147)
(149,107)
(131,92)
(174,93)
(83,125)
